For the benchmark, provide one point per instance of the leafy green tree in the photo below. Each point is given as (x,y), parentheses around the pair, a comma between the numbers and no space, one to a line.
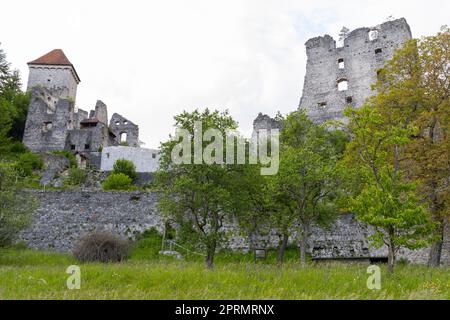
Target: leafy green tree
(414,90)
(126,167)
(306,186)
(380,197)
(262,214)
(13,103)
(200,197)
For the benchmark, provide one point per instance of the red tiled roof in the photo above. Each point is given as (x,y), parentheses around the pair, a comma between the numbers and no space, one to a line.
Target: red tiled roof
(55,57)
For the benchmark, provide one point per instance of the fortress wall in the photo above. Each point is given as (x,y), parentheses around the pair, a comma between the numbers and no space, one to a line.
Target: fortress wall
(64,216)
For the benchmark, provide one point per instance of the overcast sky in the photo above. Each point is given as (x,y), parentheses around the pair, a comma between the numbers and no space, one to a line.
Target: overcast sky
(150,60)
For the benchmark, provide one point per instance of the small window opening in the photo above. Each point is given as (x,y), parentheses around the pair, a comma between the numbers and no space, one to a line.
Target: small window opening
(123,137)
(342,85)
(349,99)
(47,126)
(72,147)
(341,64)
(153,155)
(125,122)
(373,35)
(117,123)
(379,50)
(322,105)
(86,147)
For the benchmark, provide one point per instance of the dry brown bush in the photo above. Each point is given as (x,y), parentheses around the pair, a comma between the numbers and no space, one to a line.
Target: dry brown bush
(101,246)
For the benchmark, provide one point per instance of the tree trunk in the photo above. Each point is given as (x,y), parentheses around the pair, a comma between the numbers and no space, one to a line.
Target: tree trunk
(304,244)
(434,259)
(210,251)
(391,257)
(282,249)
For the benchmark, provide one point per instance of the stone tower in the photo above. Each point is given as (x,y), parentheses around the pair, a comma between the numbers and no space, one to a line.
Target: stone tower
(340,76)
(54,71)
(51,114)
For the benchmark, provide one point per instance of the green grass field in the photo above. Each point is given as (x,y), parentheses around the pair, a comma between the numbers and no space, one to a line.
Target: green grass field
(28,274)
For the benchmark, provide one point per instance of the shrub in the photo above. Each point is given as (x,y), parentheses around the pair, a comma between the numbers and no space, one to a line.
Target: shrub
(18,147)
(28,162)
(101,246)
(147,245)
(117,181)
(126,167)
(76,177)
(69,155)
(16,207)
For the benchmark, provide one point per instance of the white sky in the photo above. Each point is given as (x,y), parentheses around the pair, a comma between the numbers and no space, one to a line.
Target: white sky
(150,60)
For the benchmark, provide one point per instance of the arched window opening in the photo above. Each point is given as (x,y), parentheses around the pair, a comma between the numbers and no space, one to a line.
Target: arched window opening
(341,63)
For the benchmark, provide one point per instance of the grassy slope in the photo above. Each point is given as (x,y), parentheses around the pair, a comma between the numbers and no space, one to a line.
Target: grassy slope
(27,274)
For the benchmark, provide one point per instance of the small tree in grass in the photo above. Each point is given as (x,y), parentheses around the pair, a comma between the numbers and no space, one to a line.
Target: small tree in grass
(306,186)
(199,197)
(378,195)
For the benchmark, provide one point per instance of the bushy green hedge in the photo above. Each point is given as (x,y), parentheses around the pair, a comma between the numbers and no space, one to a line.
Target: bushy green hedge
(28,162)
(76,177)
(17,148)
(117,181)
(126,167)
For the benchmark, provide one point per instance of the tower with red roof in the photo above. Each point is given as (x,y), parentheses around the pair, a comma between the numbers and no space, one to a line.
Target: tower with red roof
(54,71)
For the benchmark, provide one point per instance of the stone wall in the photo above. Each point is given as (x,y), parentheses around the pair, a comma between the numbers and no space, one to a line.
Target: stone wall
(64,216)
(47,121)
(56,77)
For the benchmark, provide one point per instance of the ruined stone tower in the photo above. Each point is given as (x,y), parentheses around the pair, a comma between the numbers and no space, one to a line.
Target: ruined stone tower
(53,123)
(340,76)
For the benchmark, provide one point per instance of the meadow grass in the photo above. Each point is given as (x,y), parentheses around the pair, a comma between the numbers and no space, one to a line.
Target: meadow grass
(28,274)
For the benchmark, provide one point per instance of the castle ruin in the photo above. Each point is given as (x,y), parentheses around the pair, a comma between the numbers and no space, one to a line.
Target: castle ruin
(54,123)
(335,77)
(340,76)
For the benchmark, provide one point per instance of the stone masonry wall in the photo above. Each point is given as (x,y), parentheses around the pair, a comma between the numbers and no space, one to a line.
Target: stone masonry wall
(56,77)
(64,216)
